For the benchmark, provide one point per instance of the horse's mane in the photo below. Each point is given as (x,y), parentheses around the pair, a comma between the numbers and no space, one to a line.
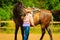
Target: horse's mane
(18,8)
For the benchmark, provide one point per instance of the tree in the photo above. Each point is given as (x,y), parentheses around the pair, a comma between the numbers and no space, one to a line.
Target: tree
(6,6)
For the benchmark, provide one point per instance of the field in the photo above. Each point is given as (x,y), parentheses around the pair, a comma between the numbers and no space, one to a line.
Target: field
(7,32)
(31,37)
(35,34)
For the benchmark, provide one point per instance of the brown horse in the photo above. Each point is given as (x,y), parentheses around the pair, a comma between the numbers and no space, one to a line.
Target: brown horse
(18,11)
(42,17)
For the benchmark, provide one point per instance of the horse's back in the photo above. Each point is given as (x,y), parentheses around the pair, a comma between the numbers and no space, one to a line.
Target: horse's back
(45,17)
(42,16)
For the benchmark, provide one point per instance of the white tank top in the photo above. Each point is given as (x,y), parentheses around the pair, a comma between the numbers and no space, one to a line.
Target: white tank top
(27,19)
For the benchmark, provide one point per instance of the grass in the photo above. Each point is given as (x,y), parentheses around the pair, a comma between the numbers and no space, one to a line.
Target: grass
(11,29)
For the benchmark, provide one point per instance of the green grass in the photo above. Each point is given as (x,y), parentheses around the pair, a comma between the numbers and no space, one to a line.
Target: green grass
(12,30)
(37,30)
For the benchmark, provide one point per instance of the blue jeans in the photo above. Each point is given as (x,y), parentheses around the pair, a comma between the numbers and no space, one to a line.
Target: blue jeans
(26,32)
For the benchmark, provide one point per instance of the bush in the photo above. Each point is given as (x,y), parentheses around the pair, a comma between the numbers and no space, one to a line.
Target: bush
(6,13)
(4,24)
(57,7)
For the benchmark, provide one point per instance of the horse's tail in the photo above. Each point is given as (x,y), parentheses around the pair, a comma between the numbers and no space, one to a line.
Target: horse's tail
(51,19)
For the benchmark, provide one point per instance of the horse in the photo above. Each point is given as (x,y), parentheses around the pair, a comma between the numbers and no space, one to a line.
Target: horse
(18,11)
(42,17)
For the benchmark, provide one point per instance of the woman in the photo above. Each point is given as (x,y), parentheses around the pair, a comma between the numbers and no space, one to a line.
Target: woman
(28,19)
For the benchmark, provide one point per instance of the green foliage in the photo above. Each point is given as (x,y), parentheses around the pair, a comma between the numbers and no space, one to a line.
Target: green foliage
(6,13)
(54,3)
(57,7)
(6,6)
(4,24)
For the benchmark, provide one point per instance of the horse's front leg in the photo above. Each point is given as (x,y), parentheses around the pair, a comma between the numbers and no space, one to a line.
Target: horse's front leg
(16,30)
(22,32)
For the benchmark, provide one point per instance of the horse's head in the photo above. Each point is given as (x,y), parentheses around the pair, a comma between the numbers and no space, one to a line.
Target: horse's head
(19,9)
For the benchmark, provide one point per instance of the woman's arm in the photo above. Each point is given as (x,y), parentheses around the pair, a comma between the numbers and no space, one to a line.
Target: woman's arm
(31,21)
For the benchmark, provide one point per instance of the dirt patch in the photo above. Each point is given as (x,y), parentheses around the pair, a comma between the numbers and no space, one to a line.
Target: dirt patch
(31,37)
